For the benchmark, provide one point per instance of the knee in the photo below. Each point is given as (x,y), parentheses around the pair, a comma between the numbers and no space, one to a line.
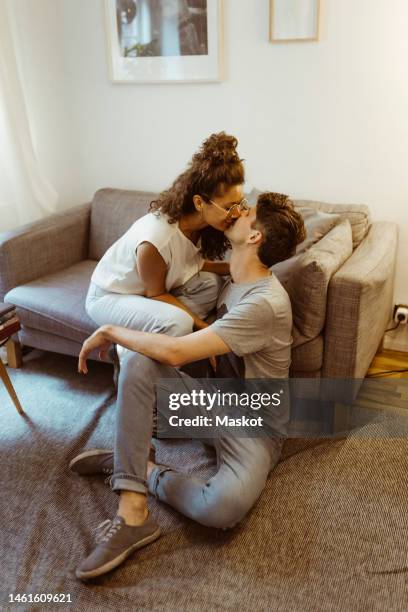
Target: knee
(134,366)
(180,324)
(223,510)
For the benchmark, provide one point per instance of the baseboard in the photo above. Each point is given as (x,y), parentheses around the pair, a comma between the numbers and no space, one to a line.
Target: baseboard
(397,340)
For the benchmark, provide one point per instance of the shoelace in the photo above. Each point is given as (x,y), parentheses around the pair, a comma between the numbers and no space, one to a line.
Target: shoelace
(108,478)
(106,530)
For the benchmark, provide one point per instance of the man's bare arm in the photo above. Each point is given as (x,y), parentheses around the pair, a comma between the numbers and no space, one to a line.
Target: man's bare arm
(165,349)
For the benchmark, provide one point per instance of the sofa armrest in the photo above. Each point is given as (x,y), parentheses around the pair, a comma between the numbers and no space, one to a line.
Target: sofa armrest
(359,304)
(43,247)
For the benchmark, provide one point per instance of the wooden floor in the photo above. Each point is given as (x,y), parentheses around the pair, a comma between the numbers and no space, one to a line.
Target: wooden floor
(387,360)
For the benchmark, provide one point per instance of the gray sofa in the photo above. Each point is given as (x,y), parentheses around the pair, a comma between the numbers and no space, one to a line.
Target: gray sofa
(341,287)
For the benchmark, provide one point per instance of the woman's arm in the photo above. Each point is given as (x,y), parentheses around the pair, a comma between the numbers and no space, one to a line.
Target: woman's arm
(217,267)
(152,271)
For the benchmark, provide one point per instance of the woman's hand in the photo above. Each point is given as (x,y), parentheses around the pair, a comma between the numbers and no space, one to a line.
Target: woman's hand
(96,341)
(199,324)
(222,268)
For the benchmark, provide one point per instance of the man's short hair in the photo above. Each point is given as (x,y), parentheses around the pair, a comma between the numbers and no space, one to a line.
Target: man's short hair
(281,226)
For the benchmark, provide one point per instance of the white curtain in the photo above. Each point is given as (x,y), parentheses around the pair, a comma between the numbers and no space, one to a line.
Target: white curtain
(25,193)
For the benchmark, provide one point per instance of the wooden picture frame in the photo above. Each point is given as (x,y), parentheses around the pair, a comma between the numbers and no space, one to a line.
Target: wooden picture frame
(294,21)
(173,42)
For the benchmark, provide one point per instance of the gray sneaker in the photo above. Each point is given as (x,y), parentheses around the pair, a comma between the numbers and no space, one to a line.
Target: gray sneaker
(115,542)
(93,461)
(98,461)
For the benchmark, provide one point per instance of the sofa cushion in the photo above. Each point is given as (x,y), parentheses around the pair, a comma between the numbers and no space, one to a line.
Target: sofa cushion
(307,274)
(113,212)
(357,214)
(56,303)
(307,356)
(307,285)
(46,341)
(317,225)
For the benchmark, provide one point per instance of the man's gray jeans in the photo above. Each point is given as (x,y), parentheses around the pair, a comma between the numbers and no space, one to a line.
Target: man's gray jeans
(243,464)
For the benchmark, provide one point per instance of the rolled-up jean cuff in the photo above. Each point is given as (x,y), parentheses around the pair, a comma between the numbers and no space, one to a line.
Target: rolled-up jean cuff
(154,478)
(128,482)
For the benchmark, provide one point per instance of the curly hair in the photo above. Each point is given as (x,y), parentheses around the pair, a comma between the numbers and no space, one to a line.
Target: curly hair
(281,225)
(212,170)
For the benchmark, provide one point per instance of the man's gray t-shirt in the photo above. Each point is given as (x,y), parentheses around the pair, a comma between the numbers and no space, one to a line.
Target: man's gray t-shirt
(255,321)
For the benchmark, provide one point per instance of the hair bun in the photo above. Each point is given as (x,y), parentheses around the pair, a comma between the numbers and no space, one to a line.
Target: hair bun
(275,201)
(218,149)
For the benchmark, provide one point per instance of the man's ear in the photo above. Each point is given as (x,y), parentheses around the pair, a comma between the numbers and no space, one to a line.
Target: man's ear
(198,203)
(255,237)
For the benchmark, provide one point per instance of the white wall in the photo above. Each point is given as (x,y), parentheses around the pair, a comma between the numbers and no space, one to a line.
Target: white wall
(325,120)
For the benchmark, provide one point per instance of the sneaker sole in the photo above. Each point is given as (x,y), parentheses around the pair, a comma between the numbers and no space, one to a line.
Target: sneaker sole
(89,453)
(111,565)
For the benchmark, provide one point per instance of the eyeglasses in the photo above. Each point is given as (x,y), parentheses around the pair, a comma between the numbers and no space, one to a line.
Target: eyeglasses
(238,207)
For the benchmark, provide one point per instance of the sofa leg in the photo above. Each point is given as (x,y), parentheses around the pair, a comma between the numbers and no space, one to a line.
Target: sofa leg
(14,354)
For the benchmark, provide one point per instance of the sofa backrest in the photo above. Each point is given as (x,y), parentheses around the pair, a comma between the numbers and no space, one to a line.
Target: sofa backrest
(113,212)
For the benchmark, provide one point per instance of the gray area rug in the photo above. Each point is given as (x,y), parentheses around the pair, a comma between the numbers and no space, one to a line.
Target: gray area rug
(330,531)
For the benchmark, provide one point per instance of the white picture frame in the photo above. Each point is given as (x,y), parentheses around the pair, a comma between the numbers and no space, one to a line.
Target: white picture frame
(294,21)
(167,41)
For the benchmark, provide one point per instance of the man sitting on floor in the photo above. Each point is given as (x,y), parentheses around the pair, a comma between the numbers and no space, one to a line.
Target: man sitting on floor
(252,338)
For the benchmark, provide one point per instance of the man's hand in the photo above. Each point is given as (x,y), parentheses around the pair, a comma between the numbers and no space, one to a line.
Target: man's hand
(96,341)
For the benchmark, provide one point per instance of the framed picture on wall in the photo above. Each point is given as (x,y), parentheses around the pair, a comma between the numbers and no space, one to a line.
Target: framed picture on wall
(164,41)
(294,20)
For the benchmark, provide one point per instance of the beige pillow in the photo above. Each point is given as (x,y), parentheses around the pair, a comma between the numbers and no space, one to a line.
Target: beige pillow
(308,283)
(317,225)
(357,214)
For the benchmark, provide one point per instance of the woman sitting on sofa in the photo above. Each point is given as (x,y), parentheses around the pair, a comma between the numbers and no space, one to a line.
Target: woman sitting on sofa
(160,275)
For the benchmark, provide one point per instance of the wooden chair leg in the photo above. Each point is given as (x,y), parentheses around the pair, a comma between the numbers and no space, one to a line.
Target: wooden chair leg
(8,384)
(14,354)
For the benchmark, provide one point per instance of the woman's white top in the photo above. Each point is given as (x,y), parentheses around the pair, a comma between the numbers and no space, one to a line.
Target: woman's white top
(117,270)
